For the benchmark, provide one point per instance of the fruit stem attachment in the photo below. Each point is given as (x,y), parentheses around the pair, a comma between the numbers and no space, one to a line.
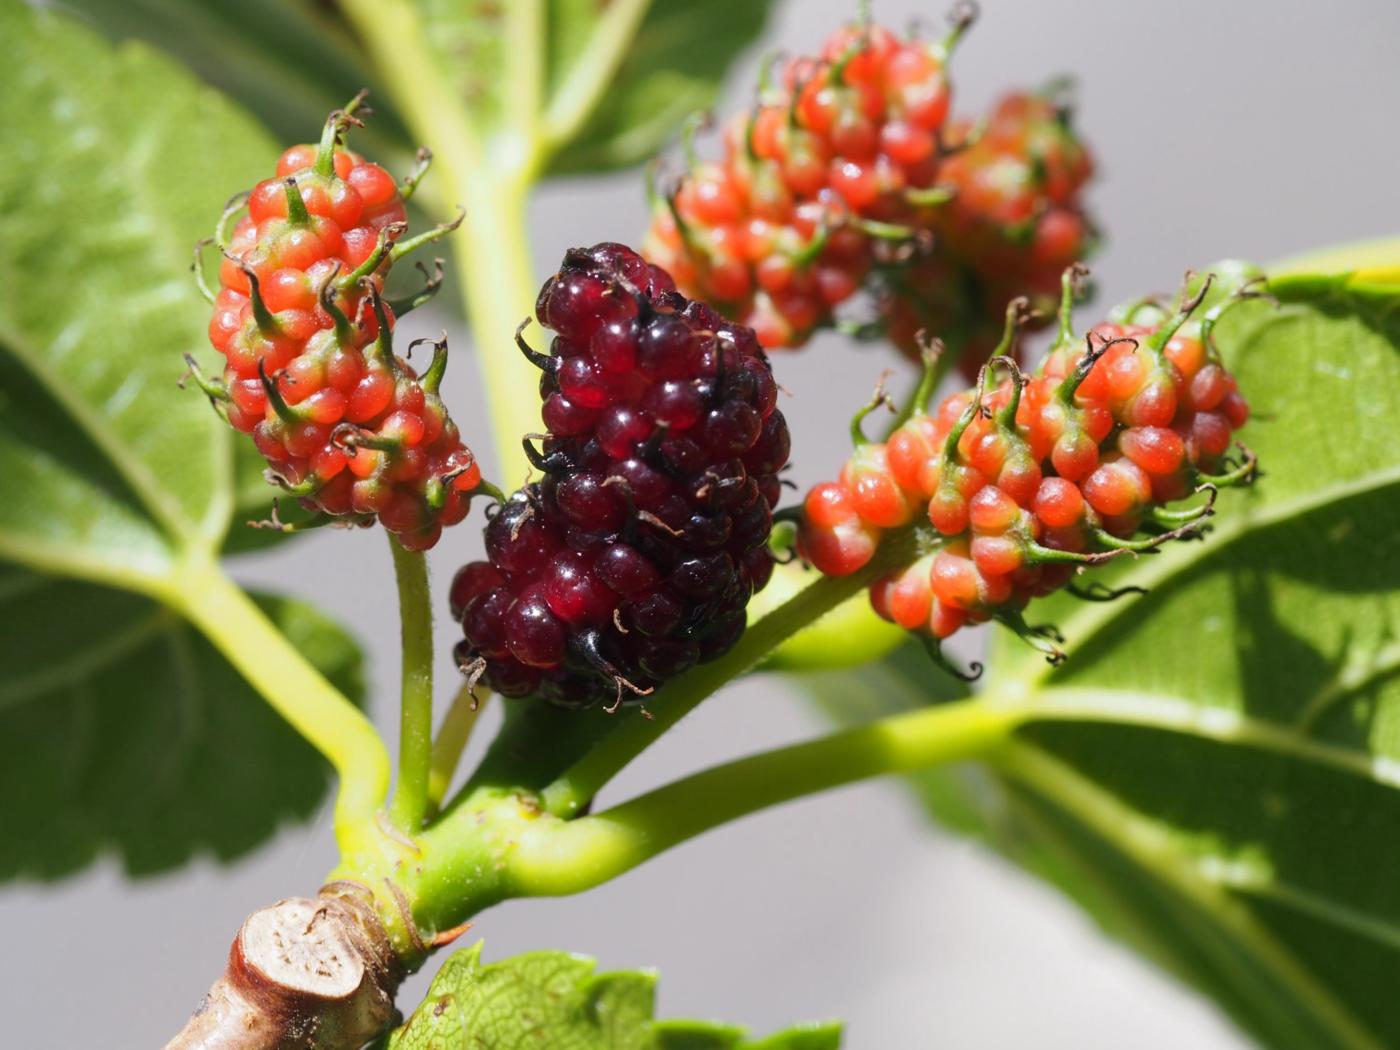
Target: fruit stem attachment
(410,804)
(451,740)
(581,781)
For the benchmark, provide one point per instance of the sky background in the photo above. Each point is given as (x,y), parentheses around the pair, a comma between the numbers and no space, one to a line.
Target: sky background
(1256,129)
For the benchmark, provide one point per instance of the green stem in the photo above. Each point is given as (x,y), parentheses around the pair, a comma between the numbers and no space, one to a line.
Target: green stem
(499,287)
(295,689)
(578,784)
(451,740)
(591,75)
(497,275)
(550,859)
(410,803)
(525,53)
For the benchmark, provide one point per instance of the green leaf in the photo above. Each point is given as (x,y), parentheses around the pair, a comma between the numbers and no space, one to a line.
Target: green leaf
(599,85)
(289,62)
(674,67)
(558,1000)
(121,162)
(1213,772)
(122,731)
(120,728)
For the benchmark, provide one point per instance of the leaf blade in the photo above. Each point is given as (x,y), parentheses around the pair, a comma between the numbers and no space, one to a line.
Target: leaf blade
(138,738)
(557,999)
(1238,727)
(124,162)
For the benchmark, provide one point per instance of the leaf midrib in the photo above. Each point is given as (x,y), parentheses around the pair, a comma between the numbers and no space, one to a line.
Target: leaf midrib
(1218,724)
(1152,850)
(1085,623)
(98,429)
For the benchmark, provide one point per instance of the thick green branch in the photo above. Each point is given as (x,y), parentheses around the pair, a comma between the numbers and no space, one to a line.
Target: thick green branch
(581,782)
(410,804)
(295,689)
(552,858)
(496,273)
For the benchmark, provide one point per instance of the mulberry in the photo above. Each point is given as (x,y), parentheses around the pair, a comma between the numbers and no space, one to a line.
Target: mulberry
(346,426)
(839,160)
(849,175)
(1013,222)
(1028,480)
(636,554)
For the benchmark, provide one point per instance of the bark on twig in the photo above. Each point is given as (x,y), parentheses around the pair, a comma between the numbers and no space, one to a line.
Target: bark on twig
(307,972)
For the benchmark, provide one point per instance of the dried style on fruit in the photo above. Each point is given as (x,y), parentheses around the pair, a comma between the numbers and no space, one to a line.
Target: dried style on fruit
(634,557)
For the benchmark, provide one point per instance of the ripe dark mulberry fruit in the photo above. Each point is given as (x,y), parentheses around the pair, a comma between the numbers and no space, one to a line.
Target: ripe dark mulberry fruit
(635,556)
(1027,480)
(345,425)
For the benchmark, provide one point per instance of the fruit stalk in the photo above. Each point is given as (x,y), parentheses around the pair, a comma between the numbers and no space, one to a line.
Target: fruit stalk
(410,802)
(553,859)
(578,784)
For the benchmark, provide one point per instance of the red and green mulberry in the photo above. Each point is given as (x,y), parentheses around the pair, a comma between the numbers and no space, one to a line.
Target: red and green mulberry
(346,425)
(1024,481)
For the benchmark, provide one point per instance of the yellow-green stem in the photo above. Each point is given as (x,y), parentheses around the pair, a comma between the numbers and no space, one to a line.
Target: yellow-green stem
(577,785)
(492,182)
(295,689)
(451,740)
(550,857)
(410,803)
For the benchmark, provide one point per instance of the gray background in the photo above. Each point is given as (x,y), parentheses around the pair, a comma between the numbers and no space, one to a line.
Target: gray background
(1257,129)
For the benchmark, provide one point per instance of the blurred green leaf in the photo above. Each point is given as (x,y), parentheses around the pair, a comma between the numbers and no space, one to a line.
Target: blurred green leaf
(122,731)
(289,62)
(120,728)
(122,162)
(557,1000)
(675,66)
(643,83)
(1213,773)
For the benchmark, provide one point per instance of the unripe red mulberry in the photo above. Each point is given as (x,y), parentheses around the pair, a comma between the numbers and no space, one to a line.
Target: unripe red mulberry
(635,557)
(346,426)
(840,155)
(1027,480)
(1013,222)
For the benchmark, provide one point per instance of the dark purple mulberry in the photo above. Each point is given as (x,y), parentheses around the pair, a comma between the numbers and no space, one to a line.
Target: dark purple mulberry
(635,555)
